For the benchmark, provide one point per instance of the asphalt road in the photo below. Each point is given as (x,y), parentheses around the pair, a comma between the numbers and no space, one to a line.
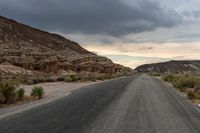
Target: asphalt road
(138,104)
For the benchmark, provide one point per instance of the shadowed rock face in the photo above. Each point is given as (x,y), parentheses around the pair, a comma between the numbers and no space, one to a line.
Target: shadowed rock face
(187,66)
(34,49)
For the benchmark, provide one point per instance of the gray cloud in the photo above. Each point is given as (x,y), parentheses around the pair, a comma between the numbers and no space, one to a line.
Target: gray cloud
(193,13)
(146,48)
(109,17)
(196,13)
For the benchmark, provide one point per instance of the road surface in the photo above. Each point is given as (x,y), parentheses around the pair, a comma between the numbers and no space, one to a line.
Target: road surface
(138,104)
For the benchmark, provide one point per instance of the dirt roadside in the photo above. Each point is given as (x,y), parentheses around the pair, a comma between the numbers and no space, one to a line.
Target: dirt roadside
(53,91)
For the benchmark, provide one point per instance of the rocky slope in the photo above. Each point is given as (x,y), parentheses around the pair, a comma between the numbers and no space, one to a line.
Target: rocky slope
(36,50)
(188,66)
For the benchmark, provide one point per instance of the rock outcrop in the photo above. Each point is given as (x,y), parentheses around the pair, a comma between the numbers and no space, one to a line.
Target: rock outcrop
(36,50)
(9,71)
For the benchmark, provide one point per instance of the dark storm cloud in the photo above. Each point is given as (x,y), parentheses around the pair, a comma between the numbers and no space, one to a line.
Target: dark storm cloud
(109,17)
(196,13)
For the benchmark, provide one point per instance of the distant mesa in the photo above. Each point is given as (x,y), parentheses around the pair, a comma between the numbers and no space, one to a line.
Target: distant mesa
(186,66)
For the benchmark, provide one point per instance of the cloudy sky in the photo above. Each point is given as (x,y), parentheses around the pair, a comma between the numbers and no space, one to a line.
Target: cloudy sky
(130,32)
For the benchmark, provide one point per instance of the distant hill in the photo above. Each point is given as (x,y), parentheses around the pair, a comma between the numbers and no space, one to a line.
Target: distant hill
(187,66)
(36,50)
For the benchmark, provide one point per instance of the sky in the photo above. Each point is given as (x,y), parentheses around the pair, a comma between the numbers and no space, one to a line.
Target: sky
(130,32)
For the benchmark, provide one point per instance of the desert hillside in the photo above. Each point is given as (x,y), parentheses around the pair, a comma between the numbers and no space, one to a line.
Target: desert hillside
(24,47)
(192,66)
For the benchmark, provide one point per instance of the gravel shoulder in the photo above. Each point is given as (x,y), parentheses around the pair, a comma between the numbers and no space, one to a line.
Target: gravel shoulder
(53,91)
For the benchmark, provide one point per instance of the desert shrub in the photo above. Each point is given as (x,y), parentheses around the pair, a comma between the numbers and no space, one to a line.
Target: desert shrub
(109,76)
(50,80)
(74,78)
(178,83)
(2,98)
(61,79)
(169,78)
(20,94)
(112,76)
(68,79)
(38,92)
(84,78)
(189,82)
(100,78)
(41,79)
(191,95)
(35,80)
(155,74)
(181,82)
(31,80)
(88,77)
(92,78)
(7,89)
(197,87)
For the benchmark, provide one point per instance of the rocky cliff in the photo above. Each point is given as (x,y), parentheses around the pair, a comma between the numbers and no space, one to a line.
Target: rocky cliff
(36,50)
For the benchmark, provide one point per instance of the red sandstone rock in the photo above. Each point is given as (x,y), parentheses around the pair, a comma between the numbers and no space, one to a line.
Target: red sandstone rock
(34,49)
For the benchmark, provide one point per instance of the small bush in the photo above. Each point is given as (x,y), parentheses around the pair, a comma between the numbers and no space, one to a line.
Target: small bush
(61,79)
(184,82)
(38,92)
(84,79)
(189,81)
(181,89)
(2,98)
(100,78)
(169,78)
(178,83)
(41,79)
(68,79)
(197,85)
(50,80)
(155,74)
(7,89)
(92,79)
(35,81)
(191,95)
(20,94)
(181,81)
(74,78)
(31,81)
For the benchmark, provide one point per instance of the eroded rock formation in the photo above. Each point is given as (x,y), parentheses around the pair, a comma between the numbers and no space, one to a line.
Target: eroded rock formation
(36,50)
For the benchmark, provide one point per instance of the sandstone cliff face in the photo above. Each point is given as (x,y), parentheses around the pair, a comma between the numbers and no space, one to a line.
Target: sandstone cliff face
(36,50)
